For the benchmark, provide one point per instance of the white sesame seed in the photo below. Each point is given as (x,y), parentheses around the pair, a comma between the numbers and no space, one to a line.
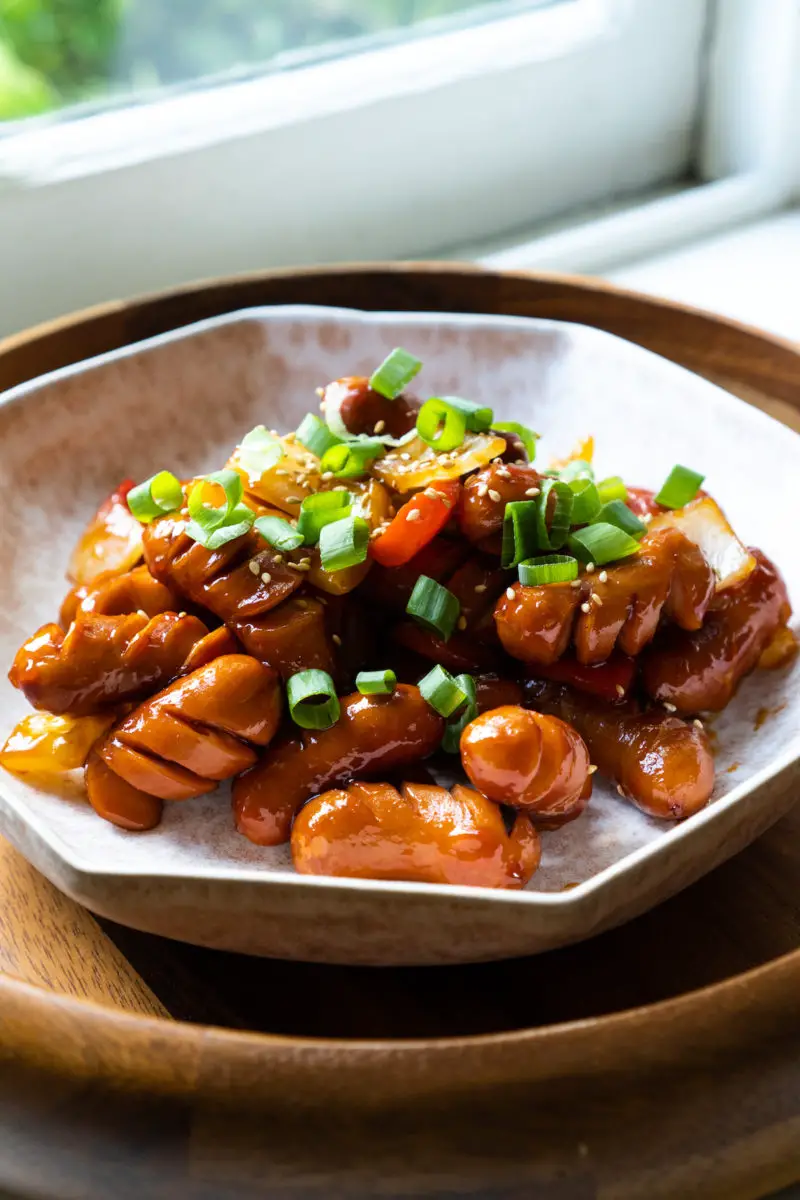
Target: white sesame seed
(503,473)
(414,515)
(379,427)
(337,641)
(603,576)
(305,561)
(589,568)
(586,608)
(619,789)
(480,587)
(598,601)
(482,489)
(576,583)
(495,495)
(293,500)
(326,475)
(510,593)
(698,724)
(181,614)
(533,491)
(462,622)
(592,769)
(340,487)
(254,566)
(278,558)
(266,577)
(669,707)
(620,690)
(303,566)
(405,456)
(142,613)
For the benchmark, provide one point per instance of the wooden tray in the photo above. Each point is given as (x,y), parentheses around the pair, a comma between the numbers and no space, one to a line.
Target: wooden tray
(659,1060)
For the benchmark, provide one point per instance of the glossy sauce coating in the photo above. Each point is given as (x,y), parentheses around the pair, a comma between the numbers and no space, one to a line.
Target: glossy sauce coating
(361,408)
(117,801)
(527,760)
(112,541)
(114,595)
(663,765)
(700,671)
(480,514)
(373,735)
(103,661)
(422,833)
(198,731)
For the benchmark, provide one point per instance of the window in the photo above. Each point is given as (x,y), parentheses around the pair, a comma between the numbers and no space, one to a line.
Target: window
(580,130)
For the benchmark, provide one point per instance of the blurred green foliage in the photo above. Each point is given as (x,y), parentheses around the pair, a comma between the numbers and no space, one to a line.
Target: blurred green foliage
(57,52)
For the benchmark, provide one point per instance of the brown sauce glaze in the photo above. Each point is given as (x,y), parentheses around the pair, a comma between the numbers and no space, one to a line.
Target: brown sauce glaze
(361,408)
(422,833)
(486,493)
(115,595)
(373,735)
(116,801)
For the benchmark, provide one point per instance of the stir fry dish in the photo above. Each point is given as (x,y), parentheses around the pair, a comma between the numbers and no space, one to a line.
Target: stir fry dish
(390,596)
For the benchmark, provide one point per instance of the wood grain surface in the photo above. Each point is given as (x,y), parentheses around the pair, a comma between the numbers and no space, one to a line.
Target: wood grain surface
(585,1094)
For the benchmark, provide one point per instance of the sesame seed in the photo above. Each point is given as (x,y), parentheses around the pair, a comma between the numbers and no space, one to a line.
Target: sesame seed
(495,495)
(589,568)
(503,473)
(254,566)
(326,475)
(619,789)
(480,587)
(598,601)
(482,489)
(305,561)
(620,690)
(181,614)
(287,437)
(603,576)
(405,456)
(337,641)
(462,622)
(669,707)
(497,462)
(414,515)
(533,491)
(698,724)
(510,593)
(340,488)
(592,769)
(278,558)
(293,500)
(379,427)
(266,577)
(576,583)
(281,471)
(586,608)
(302,566)
(142,613)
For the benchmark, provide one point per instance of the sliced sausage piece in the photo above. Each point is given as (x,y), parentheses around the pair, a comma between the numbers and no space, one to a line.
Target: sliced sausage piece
(700,671)
(535,623)
(373,735)
(529,761)
(422,833)
(114,595)
(116,801)
(361,409)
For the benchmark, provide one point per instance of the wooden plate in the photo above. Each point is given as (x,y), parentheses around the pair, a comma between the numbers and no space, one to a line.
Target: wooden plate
(661,1059)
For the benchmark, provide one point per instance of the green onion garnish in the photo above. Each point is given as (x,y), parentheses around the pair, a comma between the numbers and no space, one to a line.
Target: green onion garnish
(602,543)
(577,469)
(454,728)
(478,417)
(442,691)
(395,373)
(319,510)
(612,489)
(343,543)
(434,607)
(550,568)
(312,699)
(279,533)
(680,487)
(376,683)
(349,460)
(212,525)
(160,494)
(259,452)
(553,536)
(525,435)
(617,513)
(519,532)
(315,435)
(585,503)
(441,425)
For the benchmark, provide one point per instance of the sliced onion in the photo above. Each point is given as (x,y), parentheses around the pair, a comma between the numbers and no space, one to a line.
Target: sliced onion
(416,464)
(281,484)
(704,523)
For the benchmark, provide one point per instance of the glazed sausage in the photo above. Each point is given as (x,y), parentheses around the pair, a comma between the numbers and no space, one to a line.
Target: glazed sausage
(361,408)
(486,493)
(422,833)
(530,761)
(112,541)
(292,637)
(117,801)
(700,671)
(459,653)
(617,608)
(660,763)
(198,731)
(114,595)
(373,735)
(493,691)
(104,661)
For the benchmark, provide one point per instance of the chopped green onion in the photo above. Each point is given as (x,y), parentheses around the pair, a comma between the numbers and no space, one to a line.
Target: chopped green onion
(349,460)
(315,435)
(525,435)
(279,533)
(312,699)
(343,543)
(455,727)
(617,513)
(434,607)
(553,535)
(213,525)
(259,452)
(550,568)
(680,486)
(612,489)
(602,543)
(441,425)
(376,683)
(586,501)
(519,532)
(442,691)
(395,373)
(319,510)
(577,469)
(160,494)
(478,417)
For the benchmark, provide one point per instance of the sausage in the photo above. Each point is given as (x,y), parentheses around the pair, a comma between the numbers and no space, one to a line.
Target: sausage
(492,691)
(660,763)
(361,408)
(112,541)
(104,661)
(528,760)
(374,734)
(114,595)
(480,514)
(117,801)
(459,653)
(616,608)
(700,671)
(422,833)
(292,637)
(198,731)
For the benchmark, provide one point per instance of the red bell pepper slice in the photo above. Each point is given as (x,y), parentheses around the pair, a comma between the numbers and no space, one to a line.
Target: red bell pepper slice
(416,523)
(610,680)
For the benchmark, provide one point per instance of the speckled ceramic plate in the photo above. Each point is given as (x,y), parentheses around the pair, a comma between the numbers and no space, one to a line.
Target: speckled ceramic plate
(181,401)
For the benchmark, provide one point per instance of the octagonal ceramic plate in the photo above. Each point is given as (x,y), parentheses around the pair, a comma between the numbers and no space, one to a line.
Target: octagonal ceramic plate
(181,401)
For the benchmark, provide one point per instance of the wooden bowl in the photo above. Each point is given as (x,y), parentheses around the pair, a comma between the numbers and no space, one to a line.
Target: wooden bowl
(661,1059)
